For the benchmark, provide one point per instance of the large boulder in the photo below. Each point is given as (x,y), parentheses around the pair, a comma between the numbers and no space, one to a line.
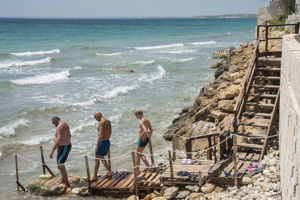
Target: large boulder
(231,92)
(132,197)
(215,65)
(226,105)
(159,198)
(208,188)
(182,194)
(171,192)
(36,189)
(150,196)
(192,188)
(196,196)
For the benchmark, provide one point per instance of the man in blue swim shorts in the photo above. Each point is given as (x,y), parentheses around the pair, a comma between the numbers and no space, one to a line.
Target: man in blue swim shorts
(62,143)
(103,144)
(145,133)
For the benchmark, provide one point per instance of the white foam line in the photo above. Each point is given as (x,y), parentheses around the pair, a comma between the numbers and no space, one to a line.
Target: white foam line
(203,43)
(43,79)
(32,53)
(10,129)
(109,54)
(160,46)
(24,63)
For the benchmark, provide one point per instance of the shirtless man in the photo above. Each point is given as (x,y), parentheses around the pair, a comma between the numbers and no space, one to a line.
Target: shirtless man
(63,144)
(145,133)
(103,144)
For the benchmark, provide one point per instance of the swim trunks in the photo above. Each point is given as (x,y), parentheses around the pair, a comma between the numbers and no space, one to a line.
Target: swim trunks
(63,153)
(103,148)
(141,143)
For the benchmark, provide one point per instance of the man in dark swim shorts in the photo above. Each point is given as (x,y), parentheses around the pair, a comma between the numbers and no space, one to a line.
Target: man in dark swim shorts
(103,144)
(63,144)
(145,133)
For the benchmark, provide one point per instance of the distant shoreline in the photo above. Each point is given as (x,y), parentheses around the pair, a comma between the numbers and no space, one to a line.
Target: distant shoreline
(227,16)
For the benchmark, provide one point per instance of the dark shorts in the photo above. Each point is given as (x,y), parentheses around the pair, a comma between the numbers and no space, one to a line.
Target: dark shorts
(62,153)
(103,148)
(141,143)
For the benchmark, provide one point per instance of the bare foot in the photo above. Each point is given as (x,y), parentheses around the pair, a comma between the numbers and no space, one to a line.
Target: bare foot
(93,179)
(108,174)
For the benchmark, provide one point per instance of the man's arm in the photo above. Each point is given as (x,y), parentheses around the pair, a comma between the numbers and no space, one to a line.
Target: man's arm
(150,129)
(100,129)
(57,140)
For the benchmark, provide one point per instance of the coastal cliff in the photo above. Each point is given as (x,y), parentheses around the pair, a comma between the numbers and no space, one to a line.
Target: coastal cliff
(213,108)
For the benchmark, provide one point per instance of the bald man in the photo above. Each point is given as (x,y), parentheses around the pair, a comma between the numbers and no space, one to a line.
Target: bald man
(103,144)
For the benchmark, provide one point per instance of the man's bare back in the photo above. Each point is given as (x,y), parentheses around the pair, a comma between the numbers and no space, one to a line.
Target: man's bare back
(145,124)
(104,129)
(64,131)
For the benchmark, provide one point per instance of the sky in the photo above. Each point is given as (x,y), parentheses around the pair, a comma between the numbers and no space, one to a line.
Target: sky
(125,8)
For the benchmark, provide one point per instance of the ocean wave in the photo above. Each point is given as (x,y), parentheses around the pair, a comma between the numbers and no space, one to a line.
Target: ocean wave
(33,53)
(119,90)
(185,59)
(43,79)
(83,126)
(203,43)
(160,46)
(77,68)
(85,103)
(24,63)
(179,51)
(36,140)
(109,54)
(10,129)
(143,62)
(154,77)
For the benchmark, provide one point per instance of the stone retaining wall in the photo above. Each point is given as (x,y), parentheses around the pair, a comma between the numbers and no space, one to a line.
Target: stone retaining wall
(290,118)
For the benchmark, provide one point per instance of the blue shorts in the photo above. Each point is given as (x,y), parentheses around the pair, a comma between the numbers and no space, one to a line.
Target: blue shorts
(62,153)
(103,148)
(141,143)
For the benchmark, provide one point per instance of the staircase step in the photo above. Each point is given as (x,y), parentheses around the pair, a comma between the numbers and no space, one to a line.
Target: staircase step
(250,146)
(249,134)
(267,77)
(271,69)
(267,86)
(267,115)
(269,62)
(270,96)
(266,105)
(255,125)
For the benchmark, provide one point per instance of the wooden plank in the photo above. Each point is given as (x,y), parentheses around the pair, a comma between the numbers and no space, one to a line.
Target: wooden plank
(114,180)
(129,180)
(245,165)
(255,157)
(249,156)
(250,146)
(242,155)
(125,179)
(98,181)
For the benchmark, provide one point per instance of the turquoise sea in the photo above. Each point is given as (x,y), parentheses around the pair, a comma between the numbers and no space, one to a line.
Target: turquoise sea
(74,67)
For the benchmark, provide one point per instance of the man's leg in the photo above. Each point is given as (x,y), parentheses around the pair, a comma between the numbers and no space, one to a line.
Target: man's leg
(96,168)
(64,175)
(141,156)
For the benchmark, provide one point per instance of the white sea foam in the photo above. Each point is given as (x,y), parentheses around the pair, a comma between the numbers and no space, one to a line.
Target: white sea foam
(160,46)
(119,90)
(81,127)
(179,51)
(36,140)
(10,129)
(186,59)
(203,43)
(43,79)
(85,103)
(229,33)
(143,62)
(109,54)
(156,76)
(77,67)
(19,63)
(33,53)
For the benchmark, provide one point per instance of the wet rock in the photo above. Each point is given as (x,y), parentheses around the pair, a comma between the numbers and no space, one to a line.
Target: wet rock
(37,189)
(133,197)
(215,65)
(192,188)
(59,189)
(170,192)
(208,188)
(150,196)
(196,196)
(182,194)
(159,198)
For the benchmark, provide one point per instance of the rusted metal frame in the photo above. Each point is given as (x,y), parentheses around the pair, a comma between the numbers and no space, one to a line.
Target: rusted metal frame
(266,37)
(19,185)
(270,127)
(209,151)
(45,166)
(275,25)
